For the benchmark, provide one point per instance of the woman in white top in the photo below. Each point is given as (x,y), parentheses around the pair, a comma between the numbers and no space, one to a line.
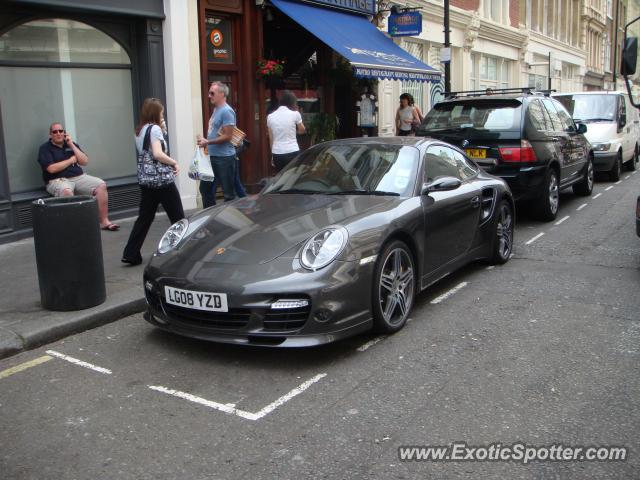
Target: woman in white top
(283,125)
(406,116)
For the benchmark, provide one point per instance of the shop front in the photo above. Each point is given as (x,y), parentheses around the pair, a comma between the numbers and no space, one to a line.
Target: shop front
(327,53)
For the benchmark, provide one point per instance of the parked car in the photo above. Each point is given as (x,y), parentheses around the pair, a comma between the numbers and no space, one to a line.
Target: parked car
(613,128)
(342,240)
(638,215)
(525,137)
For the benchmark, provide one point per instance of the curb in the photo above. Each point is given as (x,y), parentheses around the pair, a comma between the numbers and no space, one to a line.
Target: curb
(12,343)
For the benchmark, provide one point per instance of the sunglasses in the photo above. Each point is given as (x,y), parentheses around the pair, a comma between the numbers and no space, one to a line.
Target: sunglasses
(57,131)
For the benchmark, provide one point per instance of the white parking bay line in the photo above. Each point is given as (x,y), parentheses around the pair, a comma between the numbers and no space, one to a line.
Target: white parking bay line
(581,207)
(596,196)
(446,295)
(633,173)
(79,362)
(370,343)
(627,177)
(562,220)
(231,408)
(534,239)
(618,182)
(608,188)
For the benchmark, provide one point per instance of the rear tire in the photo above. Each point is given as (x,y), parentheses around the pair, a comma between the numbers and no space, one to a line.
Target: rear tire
(547,205)
(502,234)
(585,186)
(616,170)
(394,287)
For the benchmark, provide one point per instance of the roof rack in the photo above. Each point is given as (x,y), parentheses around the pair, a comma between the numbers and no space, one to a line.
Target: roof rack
(497,91)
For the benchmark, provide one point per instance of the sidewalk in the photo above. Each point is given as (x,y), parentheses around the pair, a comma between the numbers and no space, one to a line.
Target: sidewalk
(24,324)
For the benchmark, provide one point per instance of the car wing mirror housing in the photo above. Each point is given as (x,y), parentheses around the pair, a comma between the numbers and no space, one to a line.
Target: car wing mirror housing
(582,128)
(441,184)
(629,56)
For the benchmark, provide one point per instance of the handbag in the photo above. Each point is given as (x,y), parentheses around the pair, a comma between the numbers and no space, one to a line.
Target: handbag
(237,137)
(200,167)
(152,173)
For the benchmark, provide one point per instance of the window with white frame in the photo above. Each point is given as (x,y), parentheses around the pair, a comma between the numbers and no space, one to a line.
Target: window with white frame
(607,52)
(496,10)
(489,72)
(416,89)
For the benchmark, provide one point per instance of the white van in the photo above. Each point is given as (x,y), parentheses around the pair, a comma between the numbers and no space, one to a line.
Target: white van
(613,128)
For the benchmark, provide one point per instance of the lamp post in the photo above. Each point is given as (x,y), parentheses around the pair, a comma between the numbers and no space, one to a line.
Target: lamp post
(447,44)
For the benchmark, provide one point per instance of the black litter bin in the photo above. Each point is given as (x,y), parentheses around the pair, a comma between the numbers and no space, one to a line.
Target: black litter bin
(66,233)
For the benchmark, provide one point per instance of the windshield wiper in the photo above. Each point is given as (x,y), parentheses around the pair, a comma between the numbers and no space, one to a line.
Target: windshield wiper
(364,192)
(295,190)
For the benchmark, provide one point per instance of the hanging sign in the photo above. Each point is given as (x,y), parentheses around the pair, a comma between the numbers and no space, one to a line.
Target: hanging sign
(218,41)
(405,24)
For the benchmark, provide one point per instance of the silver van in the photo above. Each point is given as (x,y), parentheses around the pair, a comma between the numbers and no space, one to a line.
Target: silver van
(613,128)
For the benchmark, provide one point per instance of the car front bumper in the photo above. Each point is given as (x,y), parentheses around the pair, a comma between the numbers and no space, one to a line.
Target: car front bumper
(339,303)
(604,161)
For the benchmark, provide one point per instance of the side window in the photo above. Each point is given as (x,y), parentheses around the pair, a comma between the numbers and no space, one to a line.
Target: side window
(623,108)
(565,118)
(537,116)
(441,161)
(553,114)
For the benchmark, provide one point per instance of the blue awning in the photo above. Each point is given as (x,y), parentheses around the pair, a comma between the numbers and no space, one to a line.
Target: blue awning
(370,53)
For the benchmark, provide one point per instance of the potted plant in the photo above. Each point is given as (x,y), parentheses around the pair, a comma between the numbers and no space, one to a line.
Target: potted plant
(271,71)
(322,127)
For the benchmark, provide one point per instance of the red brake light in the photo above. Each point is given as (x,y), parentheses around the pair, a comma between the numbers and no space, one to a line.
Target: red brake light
(522,154)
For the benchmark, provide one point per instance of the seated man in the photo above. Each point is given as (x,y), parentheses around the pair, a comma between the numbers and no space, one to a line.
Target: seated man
(60,159)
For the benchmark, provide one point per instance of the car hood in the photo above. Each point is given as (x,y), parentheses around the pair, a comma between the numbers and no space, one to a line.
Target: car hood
(598,132)
(259,228)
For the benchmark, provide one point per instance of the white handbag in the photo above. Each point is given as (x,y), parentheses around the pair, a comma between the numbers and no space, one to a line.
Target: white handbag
(200,167)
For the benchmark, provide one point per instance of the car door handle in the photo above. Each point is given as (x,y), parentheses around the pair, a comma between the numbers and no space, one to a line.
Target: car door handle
(475,202)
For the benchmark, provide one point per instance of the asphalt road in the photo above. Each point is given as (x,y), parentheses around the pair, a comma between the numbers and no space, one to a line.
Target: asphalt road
(543,350)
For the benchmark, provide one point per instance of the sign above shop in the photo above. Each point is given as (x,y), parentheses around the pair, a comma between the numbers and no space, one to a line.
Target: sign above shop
(218,41)
(364,7)
(405,23)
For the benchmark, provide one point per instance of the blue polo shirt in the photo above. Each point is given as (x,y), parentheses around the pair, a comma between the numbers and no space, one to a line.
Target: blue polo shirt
(51,153)
(222,117)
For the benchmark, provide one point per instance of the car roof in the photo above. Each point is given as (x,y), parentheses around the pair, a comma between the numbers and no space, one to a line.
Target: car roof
(592,92)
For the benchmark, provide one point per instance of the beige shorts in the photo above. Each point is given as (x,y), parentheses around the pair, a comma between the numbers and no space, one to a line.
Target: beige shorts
(81,185)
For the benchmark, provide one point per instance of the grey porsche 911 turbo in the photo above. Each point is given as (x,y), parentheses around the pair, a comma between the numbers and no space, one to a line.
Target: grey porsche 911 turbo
(340,242)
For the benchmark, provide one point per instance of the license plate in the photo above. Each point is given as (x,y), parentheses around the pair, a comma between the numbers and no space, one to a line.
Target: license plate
(210,302)
(476,152)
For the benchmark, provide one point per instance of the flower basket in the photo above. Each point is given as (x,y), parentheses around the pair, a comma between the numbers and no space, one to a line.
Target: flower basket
(270,69)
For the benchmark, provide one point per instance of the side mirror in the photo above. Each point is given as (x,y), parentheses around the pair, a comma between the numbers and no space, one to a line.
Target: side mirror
(629,56)
(582,128)
(622,121)
(441,184)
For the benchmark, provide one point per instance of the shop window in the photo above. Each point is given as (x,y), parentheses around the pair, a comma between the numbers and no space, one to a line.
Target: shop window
(56,70)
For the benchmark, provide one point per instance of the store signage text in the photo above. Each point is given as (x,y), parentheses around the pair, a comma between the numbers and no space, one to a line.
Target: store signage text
(219,44)
(406,23)
(365,7)
(364,72)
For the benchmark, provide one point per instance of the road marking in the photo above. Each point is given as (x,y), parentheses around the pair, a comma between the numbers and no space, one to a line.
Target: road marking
(581,207)
(627,177)
(371,343)
(23,366)
(490,267)
(562,220)
(231,408)
(79,362)
(446,295)
(633,173)
(596,196)
(534,238)
(618,182)
(608,188)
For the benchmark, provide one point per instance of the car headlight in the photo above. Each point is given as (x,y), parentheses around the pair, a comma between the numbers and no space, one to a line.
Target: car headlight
(602,147)
(173,235)
(321,249)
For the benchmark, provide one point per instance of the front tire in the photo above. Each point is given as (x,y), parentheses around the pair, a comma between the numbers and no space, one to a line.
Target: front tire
(632,164)
(616,170)
(502,234)
(394,287)
(547,207)
(585,186)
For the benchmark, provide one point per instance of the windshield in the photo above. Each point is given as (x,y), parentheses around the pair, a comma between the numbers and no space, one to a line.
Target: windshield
(482,114)
(590,107)
(350,169)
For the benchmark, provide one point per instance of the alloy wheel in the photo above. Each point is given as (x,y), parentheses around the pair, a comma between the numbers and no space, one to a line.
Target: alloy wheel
(554,193)
(396,287)
(504,231)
